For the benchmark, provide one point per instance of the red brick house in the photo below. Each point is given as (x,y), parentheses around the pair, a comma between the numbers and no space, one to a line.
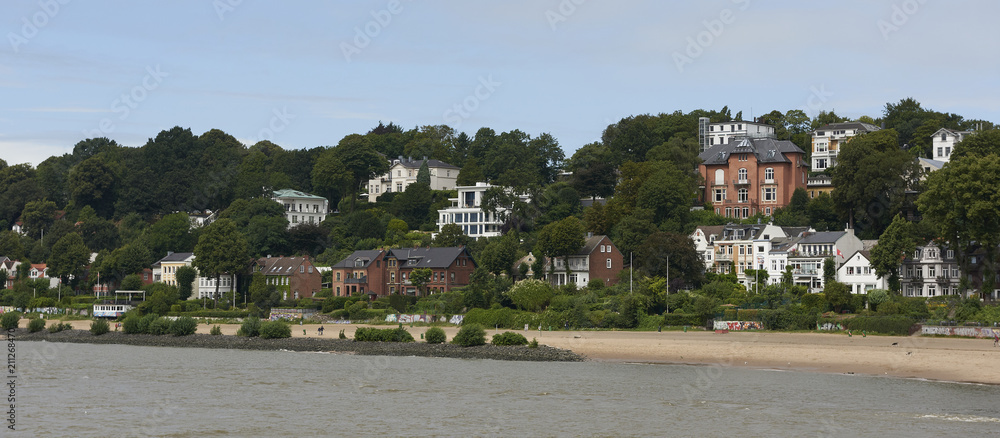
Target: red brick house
(387,272)
(598,259)
(294,277)
(361,272)
(752,175)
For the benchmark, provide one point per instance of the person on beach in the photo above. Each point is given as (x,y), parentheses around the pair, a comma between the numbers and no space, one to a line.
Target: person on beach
(320,330)
(996,338)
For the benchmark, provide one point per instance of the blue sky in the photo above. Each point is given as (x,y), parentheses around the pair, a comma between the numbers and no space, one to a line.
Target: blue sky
(307,73)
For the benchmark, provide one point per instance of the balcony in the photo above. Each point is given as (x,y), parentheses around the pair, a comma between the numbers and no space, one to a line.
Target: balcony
(719,182)
(723,257)
(767,181)
(362,280)
(741,182)
(805,271)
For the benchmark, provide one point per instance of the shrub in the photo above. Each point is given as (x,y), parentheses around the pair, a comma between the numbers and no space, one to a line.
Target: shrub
(10,320)
(147,321)
(509,338)
(679,319)
(216,330)
(130,325)
(249,328)
(184,326)
(159,326)
(275,329)
(59,326)
(533,343)
(342,335)
(370,334)
(36,325)
(99,327)
(470,336)
(890,325)
(435,335)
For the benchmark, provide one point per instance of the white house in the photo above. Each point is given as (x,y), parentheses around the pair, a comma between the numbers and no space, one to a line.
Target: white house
(828,140)
(598,259)
(943,143)
(466,211)
(859,275)
(722,132)
(301,207)
(807,255)
(403,172)
(930,271)
(165,271)
(704,242)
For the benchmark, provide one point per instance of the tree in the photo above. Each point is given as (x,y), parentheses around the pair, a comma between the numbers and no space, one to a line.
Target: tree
(837,295)
(981,144)
(330,177)
(672,256)
(668,193)
(871,179)
(185,281)
(829,270)
(531,294)
(419,277)
(92,183)
(892,247)
(10,245)
(424,174)
(132,282)
(221,249)
(171,233)
(561,239)
(361,161)
(38,216)
(69,256)
(263,295)
(470,174)
(450,235)
(499,255)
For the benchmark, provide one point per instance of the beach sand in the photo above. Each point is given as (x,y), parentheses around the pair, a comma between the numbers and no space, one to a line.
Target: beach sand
(935,358)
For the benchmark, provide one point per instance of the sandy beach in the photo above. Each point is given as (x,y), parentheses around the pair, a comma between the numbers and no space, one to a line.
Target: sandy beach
(935,358)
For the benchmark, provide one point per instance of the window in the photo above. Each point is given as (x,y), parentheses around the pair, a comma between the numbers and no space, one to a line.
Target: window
(940,151)
(821,146)
(295,219)
(767,211)
(769,174)
(770,194)
(947,151)
(916,254)
(720,195)
(392,277)
(931,271)
(720,177)
(821,163)
(608,263)
(746,212)
(742,195)
(931,290)
(944,137)
(742,175)
(338,276)
(399,187)
(950,254)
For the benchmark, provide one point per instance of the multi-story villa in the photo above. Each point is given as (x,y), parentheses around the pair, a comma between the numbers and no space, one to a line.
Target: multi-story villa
(301,207)
(712,134)
(748,176)
(828,139)
(403,172)
(466,211)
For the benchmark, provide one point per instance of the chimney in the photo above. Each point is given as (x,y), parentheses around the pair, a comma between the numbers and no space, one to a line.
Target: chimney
(169,253)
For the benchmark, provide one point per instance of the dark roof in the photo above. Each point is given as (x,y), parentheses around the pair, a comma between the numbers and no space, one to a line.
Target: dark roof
(794,231)
(765,150)
(415,164)
(711,229)
(174,257)
(367,257)
(280,265)
(867,127)
(823,237)
(428,257)
(590,245)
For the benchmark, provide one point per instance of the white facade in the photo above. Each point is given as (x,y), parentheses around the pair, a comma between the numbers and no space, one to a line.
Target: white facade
(722,132)
(704,243)
(943,143)
(807,255)
(930,271)
(165,271)
(828,140)
(859,275)
(403,172)
(466,211)
(302,208)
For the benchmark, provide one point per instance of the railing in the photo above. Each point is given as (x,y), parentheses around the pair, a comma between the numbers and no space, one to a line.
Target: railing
(742,181)
(723,257)
(351,280)
(805,271)
(767,181)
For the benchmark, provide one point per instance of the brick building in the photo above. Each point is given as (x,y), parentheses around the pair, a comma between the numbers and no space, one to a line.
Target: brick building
(387,272)
(752,175)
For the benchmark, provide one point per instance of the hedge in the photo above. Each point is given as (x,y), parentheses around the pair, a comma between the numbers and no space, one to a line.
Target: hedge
(509,338)
(890,325)
(504,317)
(371,334)
(678,319)
(784,320)
(233,314)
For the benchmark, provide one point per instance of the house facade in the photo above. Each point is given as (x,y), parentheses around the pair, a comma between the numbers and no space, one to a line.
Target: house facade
(828,140)
(293,277)
(819,184)
(723,132)
(388,272)
(943,143)
(752,175)
(859,275)
(808,253)
(403,172)
(930,271)
(704,242)
(10,266)
(301,207)
(598,259)
(466,211)
(165,271)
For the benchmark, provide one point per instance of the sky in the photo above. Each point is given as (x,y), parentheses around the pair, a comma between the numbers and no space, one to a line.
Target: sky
(307,73)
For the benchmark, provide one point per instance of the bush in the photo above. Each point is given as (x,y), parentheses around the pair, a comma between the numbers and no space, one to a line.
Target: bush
(59,326)
(342,335)
(890,325)
(435,335)
(36,325)
(370,334)
(216,330)
(99,327)
(470,336)
(159,326)
(184,326)
(533,343)
(275,329)
(10,320)
(509,338)
(146,321)
(130,325)
(249,328)
(679,319)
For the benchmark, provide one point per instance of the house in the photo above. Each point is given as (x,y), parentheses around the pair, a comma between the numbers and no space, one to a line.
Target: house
(598,259)
(819,184)
(704,242)
(711,134)
(294,277)
(202,218)
(828,140)
(749,176)
(387,272)
(740,247)
(18,228)
(466,211)
(41,271)
(807,255)
(360,272)
(10,266)
(930,271)
(165,271)
(301,207)
(451,268)
(943,143)
(403,172)
(859,275)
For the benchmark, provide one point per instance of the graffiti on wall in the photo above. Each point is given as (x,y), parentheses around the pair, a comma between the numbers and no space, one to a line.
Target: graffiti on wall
(404,318)
(737,325)
(972,332)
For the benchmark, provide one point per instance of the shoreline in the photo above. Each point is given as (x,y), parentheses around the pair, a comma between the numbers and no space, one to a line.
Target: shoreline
(933,358)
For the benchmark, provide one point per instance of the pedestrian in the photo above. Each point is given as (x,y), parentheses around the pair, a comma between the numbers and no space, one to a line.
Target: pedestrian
(849,333)
(321,330)
(996,338)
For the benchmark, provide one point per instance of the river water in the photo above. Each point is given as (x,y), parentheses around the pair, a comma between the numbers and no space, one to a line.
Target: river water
(112,390)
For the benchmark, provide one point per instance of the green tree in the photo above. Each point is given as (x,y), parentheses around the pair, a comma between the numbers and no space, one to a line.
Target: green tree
(419,277)
(451,235)
(671,256)
(221,249)
(70,256)
(499,254)
(263,295)
(38,216)
(829,269)
(837,295)
(981,144)
(531,294)
(668,193)
(10,245)
(330,177)
(92,183)
(893,246)
(132,282)
(171,233)
(561,239)
(424,174)
(185,281)
(361,161)
(471,173)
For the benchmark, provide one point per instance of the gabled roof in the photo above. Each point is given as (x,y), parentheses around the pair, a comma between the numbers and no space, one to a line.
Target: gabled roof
(765,150)
(950,131)
(427,257)
(860,126)
(709,230)
(366,256)
(591,245)
(795,231)
(175,257)
(822,237)
(280,265)
(289,193)
(415,164)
